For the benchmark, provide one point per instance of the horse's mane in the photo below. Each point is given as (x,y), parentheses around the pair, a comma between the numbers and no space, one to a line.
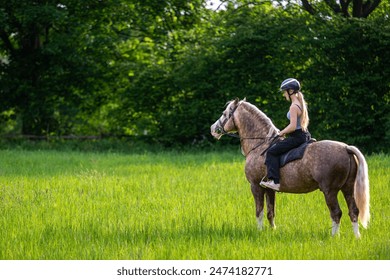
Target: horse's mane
(258,114)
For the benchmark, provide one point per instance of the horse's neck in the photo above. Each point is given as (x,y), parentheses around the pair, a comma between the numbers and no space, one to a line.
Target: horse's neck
(255,129)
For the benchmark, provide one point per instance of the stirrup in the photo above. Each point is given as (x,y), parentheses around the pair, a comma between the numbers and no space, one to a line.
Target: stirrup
(270,185)
(263,181)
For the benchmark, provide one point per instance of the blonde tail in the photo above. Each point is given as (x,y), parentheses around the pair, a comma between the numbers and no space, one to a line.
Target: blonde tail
(362,187)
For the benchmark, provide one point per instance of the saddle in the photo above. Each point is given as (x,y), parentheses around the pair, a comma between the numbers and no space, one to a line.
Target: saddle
(294,154)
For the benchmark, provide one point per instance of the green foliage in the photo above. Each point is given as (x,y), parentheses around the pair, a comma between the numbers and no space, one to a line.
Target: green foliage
(61,63)
(352,93)
(57,61)
(164,69)
(347,9)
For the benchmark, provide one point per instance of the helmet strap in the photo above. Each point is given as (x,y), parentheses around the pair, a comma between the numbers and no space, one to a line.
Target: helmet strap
(289,94)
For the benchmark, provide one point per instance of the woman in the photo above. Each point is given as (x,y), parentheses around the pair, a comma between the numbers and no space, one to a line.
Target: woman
(296,130)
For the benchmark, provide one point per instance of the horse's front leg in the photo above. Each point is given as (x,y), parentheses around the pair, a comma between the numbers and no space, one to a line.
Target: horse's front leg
(258,195)
(270,196)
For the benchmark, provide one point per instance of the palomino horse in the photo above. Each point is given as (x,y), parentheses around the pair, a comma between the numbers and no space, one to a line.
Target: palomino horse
(326,165)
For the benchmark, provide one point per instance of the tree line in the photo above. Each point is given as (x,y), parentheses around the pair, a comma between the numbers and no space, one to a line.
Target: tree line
(163,70)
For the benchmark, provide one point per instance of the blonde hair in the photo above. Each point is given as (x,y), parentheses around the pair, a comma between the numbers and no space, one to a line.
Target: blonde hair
(305,114)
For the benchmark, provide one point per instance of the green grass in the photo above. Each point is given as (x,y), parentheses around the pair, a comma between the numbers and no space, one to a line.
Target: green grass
(169,205)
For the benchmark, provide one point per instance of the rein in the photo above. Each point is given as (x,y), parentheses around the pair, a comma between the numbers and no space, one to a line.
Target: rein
(234,135)
(273,140)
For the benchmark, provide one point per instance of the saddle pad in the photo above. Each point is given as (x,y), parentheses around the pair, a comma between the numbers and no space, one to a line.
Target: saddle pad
(294,154)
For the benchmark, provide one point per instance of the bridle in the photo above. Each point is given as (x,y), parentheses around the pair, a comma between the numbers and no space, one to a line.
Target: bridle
(274,138)
(222,124)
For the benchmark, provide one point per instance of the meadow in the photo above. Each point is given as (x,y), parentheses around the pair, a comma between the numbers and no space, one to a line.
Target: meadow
(61,205)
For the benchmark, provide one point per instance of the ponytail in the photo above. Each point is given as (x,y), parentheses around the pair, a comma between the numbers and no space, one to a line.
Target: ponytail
(305,114)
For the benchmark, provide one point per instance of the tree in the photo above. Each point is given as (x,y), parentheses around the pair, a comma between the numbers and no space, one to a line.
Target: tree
(346,8)
(61,61)
(342,64)
(164,69)
(56,56)
(349,79)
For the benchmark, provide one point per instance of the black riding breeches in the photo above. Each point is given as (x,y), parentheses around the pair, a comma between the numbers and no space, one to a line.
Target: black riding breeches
(272,161)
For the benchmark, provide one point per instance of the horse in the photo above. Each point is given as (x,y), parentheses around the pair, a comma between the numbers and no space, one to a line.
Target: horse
(329,166)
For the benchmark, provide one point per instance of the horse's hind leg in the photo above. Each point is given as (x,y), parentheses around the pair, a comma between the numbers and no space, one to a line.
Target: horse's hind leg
(348,190)
(258,195)
(335,211)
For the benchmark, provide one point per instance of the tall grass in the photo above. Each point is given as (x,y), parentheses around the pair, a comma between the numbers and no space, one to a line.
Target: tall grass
(169,205)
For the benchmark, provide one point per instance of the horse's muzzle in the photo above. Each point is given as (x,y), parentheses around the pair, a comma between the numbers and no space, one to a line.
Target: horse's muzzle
(216,130)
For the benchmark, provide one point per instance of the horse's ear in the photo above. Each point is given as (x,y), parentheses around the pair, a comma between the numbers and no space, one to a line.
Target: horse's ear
(236,101)
(244,99)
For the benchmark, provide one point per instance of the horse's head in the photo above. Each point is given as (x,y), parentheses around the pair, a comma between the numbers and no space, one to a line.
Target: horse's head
(225,124)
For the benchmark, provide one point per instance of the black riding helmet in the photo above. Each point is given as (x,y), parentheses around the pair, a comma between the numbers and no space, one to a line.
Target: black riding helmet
(290,83)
